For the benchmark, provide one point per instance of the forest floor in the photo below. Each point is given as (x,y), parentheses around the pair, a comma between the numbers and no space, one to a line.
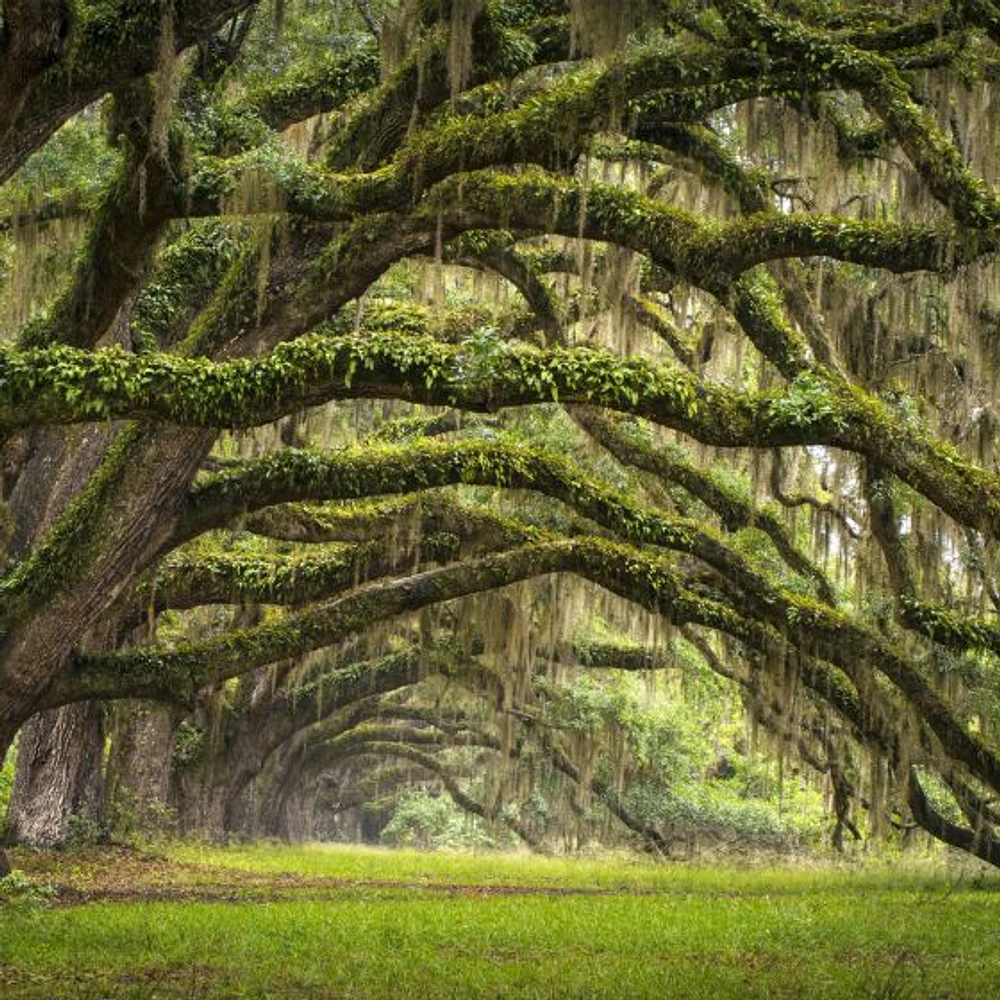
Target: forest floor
(320,922)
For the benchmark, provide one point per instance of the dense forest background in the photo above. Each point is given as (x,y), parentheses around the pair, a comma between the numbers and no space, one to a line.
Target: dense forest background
(500,421)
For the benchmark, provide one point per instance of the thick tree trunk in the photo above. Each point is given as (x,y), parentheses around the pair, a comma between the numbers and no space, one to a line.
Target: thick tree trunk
(200,794)
(57,791)
(297,816)
(201,809)
(290,812)
(137,779)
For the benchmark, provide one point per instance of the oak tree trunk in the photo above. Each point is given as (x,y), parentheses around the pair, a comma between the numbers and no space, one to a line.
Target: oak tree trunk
(57,792)
(137,779)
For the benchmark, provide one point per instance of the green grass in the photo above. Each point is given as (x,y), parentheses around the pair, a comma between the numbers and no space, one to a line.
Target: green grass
(671,931)
(626,872)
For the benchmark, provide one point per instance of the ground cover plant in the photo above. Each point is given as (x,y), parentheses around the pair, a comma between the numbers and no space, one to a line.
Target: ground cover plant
(342,922)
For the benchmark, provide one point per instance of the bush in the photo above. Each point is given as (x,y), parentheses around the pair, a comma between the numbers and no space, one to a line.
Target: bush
(428,822)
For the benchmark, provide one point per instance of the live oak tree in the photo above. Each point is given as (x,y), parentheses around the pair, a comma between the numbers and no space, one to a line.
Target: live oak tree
(730,308)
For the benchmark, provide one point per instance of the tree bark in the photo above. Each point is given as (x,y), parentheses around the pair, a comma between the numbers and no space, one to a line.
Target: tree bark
(58,785)
(137,779)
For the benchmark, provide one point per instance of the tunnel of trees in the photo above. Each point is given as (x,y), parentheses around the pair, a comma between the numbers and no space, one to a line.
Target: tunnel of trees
(387,387)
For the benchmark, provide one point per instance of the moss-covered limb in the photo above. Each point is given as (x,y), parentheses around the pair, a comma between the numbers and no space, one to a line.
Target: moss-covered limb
(707,255)
(322,85)
(432,425)
(421,82)
(363,472)
(411,735)
(626,571)
(248,294)
(939,161)
(60,385)
(856,140)
(349,696)
(910,453)
(188,667)
(188,582)
(92,552)
(707,155)
(73,204)
(734,509)
(948,627)
(317,525)
(836,638)
(414,534)
(855,649)
(693,105)
(137,204)
(911,32)
(373,716)
(552,127)
(427,513)
(524,268)
(760,308)
(932,152)
(337,701)
(63,385)
(183,279)
(598,655)
(651,315)
(370,132)
(977,809)
(263,178)
(506,262)
(712,159)
(110,43)
(194,665)
(980,843)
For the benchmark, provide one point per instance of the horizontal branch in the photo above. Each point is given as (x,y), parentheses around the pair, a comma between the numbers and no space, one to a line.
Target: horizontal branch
(62,385)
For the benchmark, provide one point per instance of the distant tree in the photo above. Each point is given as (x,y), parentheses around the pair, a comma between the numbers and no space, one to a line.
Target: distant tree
(735,321)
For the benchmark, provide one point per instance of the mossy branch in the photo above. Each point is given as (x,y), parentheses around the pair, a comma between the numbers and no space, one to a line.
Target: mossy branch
(61,385)
(647,581)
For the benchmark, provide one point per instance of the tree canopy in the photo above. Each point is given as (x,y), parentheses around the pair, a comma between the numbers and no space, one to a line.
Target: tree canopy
(353,349)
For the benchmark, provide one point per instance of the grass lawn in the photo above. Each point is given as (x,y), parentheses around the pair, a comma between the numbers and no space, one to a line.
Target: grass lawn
(334,922)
